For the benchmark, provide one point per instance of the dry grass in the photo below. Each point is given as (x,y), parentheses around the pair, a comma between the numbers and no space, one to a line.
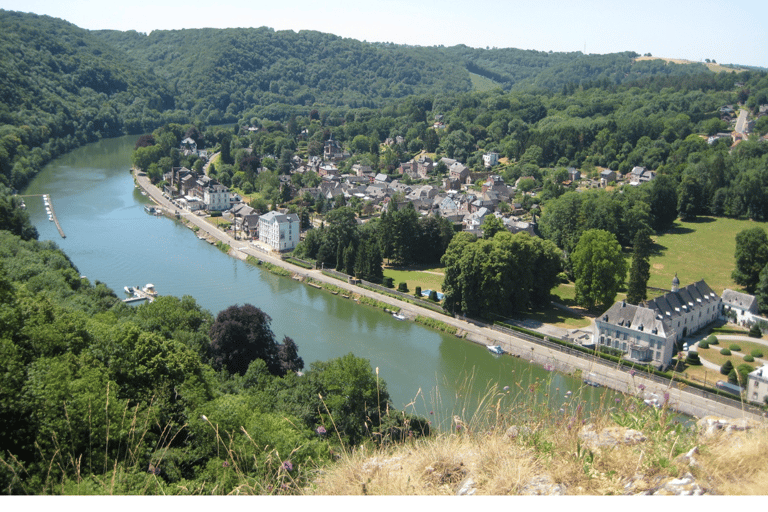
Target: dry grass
(498,464)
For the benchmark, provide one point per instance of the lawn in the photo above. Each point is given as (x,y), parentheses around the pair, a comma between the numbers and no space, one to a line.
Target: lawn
(703,249)
(428,278)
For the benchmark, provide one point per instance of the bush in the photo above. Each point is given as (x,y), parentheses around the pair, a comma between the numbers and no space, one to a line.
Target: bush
(563,277)
(433,296)
(756,352)
(748,358)
(712,340)
(755,332)
(726,368)
(735,348)
(402,287)
(725,352)
(389,282)
(417,293)
(703,344)
(693,359)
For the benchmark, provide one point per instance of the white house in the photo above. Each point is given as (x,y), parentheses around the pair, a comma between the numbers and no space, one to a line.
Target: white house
(744,306)
(648,333)
(757,385)
(490,159)
(280,231)
(216,197)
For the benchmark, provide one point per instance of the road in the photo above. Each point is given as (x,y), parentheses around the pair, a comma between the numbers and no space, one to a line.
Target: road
(741,121)
(608,375)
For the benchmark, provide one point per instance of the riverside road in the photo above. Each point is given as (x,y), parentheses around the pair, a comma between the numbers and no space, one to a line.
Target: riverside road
(684,399)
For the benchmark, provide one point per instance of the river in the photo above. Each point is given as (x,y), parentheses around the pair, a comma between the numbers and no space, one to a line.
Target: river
(110,238)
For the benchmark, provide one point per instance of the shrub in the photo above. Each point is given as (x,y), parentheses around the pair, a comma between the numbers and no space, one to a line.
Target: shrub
(748,358)
(693,359)
(433,296)
(725,352)
(402,287)
(727,367)
(756,352)
(735,348)
(755,332)
(563,277)
(389,282)
(417,293)
(703,344)
(712,340)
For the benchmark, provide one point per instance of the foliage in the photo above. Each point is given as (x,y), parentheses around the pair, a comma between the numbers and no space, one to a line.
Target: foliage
(727,367)
(735,348)
(692,359)
(756,352)
(242,334)
(402,287)
(751,257)
(640,271)
(495,277)
(725,351)
(712,339)
(599,268)
(755,331)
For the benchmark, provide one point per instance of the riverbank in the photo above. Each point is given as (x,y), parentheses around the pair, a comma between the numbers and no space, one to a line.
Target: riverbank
(599,372)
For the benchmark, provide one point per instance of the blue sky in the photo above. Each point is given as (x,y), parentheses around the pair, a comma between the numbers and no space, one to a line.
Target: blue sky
(728,32)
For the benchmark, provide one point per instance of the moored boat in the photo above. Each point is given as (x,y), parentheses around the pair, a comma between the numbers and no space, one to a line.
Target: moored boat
(495,349)
(399,316)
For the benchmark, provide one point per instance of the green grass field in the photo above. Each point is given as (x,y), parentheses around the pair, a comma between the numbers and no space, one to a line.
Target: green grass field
(428,279)
(703,249)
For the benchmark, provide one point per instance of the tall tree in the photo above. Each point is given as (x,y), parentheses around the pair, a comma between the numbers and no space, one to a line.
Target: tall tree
(640,271)
(751,257)
(663,202)
(599,268)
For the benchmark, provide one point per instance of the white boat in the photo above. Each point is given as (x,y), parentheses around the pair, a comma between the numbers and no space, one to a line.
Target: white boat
(149,289)
(495,349)
(129,290)
(398,316)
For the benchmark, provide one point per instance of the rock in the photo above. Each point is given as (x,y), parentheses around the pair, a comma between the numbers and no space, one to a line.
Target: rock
(467,488)
(610,436)
(543,486)
(711,425)
(687,458)
(685,486)
(514,431)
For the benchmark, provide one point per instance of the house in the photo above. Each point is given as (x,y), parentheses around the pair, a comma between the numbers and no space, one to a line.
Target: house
(743,306)
(574,174)
(250,225)
(458,171)
(757,385)
(649,333)
(490,159)
(607,176)
(332,150)
(639,175)
(279,231)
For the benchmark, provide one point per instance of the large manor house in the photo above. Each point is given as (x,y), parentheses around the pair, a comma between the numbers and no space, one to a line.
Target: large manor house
(652,331)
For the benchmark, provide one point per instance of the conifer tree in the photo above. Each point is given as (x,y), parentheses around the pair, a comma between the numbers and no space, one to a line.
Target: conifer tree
(640,271)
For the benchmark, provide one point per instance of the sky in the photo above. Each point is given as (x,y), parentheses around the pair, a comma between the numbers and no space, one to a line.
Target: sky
(726,31)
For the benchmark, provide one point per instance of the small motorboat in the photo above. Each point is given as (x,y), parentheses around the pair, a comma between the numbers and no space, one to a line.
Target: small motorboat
(398,316)
(495,349)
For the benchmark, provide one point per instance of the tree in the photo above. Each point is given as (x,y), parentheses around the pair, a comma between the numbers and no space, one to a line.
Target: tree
(726,368)
(491,225)
(640,272)
(241,334)
(751,257)
(663,202)
(761,292)
(599,268)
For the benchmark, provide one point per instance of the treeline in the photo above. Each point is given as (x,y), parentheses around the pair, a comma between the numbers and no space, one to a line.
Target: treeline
(97,397)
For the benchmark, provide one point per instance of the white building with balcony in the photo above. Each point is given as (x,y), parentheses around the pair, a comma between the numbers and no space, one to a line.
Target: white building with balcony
(280,231)
(757,385)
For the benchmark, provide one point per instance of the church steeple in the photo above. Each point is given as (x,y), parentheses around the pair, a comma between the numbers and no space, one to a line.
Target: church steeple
(675,283)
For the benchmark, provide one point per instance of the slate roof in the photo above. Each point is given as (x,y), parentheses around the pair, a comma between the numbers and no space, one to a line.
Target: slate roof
(659,313)
(738,300)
